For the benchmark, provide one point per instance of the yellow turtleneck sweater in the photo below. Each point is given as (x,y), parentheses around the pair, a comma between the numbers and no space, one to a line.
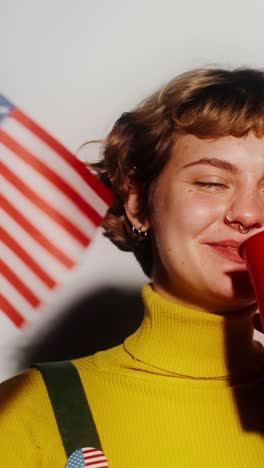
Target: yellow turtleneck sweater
(186,390)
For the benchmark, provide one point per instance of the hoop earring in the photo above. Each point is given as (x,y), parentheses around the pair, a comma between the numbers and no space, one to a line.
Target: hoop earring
(138,234)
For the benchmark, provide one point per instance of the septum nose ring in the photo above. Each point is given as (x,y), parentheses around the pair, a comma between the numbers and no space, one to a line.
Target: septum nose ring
(241,227)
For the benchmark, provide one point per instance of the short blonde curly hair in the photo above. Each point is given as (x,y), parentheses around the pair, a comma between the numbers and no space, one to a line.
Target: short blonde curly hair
(208,103)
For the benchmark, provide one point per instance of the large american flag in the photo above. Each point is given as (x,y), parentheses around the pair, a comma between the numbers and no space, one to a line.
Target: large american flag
(50,207)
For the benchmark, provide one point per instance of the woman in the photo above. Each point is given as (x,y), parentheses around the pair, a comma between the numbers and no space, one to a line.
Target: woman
(185,390)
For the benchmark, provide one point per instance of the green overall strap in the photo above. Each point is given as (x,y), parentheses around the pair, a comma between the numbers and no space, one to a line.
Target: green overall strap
(70,406)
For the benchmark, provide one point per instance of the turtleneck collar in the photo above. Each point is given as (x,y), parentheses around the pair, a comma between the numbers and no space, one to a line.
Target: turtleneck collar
(178,340)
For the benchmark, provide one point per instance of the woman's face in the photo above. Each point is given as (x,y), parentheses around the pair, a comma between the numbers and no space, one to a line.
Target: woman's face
(203,180)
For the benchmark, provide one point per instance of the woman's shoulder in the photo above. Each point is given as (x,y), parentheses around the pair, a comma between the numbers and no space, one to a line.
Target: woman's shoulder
(20,397)
(28,391)
(25,386)
(29,385)
(25,418)
(107,360)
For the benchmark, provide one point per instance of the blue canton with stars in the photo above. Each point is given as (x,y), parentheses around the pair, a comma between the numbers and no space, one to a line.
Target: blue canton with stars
(5,107)
(76,460)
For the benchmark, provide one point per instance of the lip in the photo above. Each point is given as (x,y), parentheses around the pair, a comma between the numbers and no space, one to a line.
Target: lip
(229,249)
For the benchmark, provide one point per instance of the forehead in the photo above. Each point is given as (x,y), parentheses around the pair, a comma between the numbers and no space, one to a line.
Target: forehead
(238,151)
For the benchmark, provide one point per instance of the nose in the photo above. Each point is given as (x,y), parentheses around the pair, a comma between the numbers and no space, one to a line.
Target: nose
(246,210)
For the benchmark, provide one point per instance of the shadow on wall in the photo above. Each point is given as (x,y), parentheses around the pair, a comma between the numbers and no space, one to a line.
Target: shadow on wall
(97,322)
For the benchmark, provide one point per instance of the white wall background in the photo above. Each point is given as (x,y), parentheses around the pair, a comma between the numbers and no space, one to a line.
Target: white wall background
(75,65)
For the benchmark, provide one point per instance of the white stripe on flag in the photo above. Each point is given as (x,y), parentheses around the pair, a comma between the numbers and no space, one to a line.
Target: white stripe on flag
(92,458)
(36,146)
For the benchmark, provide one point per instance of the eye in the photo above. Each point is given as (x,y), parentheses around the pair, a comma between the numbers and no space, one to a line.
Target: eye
(210,185)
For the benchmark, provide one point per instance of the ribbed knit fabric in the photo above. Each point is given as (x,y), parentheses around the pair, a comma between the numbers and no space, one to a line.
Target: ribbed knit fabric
(186,390)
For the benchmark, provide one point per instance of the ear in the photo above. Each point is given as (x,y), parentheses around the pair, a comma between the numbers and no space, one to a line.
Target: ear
(132,210)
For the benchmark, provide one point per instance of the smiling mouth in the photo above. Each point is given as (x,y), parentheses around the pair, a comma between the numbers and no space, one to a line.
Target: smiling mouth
(228,252)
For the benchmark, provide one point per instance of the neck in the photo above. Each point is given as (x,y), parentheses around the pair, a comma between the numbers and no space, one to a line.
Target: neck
(212,305)
(176,339)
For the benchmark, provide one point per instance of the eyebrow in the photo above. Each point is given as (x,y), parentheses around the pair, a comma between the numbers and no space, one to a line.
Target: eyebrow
(215,163)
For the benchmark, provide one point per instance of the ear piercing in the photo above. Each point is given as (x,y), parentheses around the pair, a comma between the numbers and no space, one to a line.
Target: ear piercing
(140,235)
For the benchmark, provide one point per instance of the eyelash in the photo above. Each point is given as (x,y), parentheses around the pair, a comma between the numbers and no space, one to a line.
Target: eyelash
(210,184)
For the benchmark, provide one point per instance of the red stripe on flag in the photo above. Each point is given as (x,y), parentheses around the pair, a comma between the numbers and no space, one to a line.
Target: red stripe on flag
(79,167)
(30,297)
(94,463)
(45,171)
(90,450)
(94,455)
(26,258)
(35,233)
(11,312)
(34,198)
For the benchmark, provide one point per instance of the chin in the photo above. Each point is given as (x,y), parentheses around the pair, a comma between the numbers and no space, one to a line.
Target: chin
(241,285)
(226,302)
(237,292)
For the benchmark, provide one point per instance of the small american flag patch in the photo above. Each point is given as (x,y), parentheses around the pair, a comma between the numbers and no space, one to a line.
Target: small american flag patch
(87,456)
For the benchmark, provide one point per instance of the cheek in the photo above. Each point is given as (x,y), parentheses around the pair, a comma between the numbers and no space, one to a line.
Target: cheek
(183,213)
(178,220)
(200,212)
